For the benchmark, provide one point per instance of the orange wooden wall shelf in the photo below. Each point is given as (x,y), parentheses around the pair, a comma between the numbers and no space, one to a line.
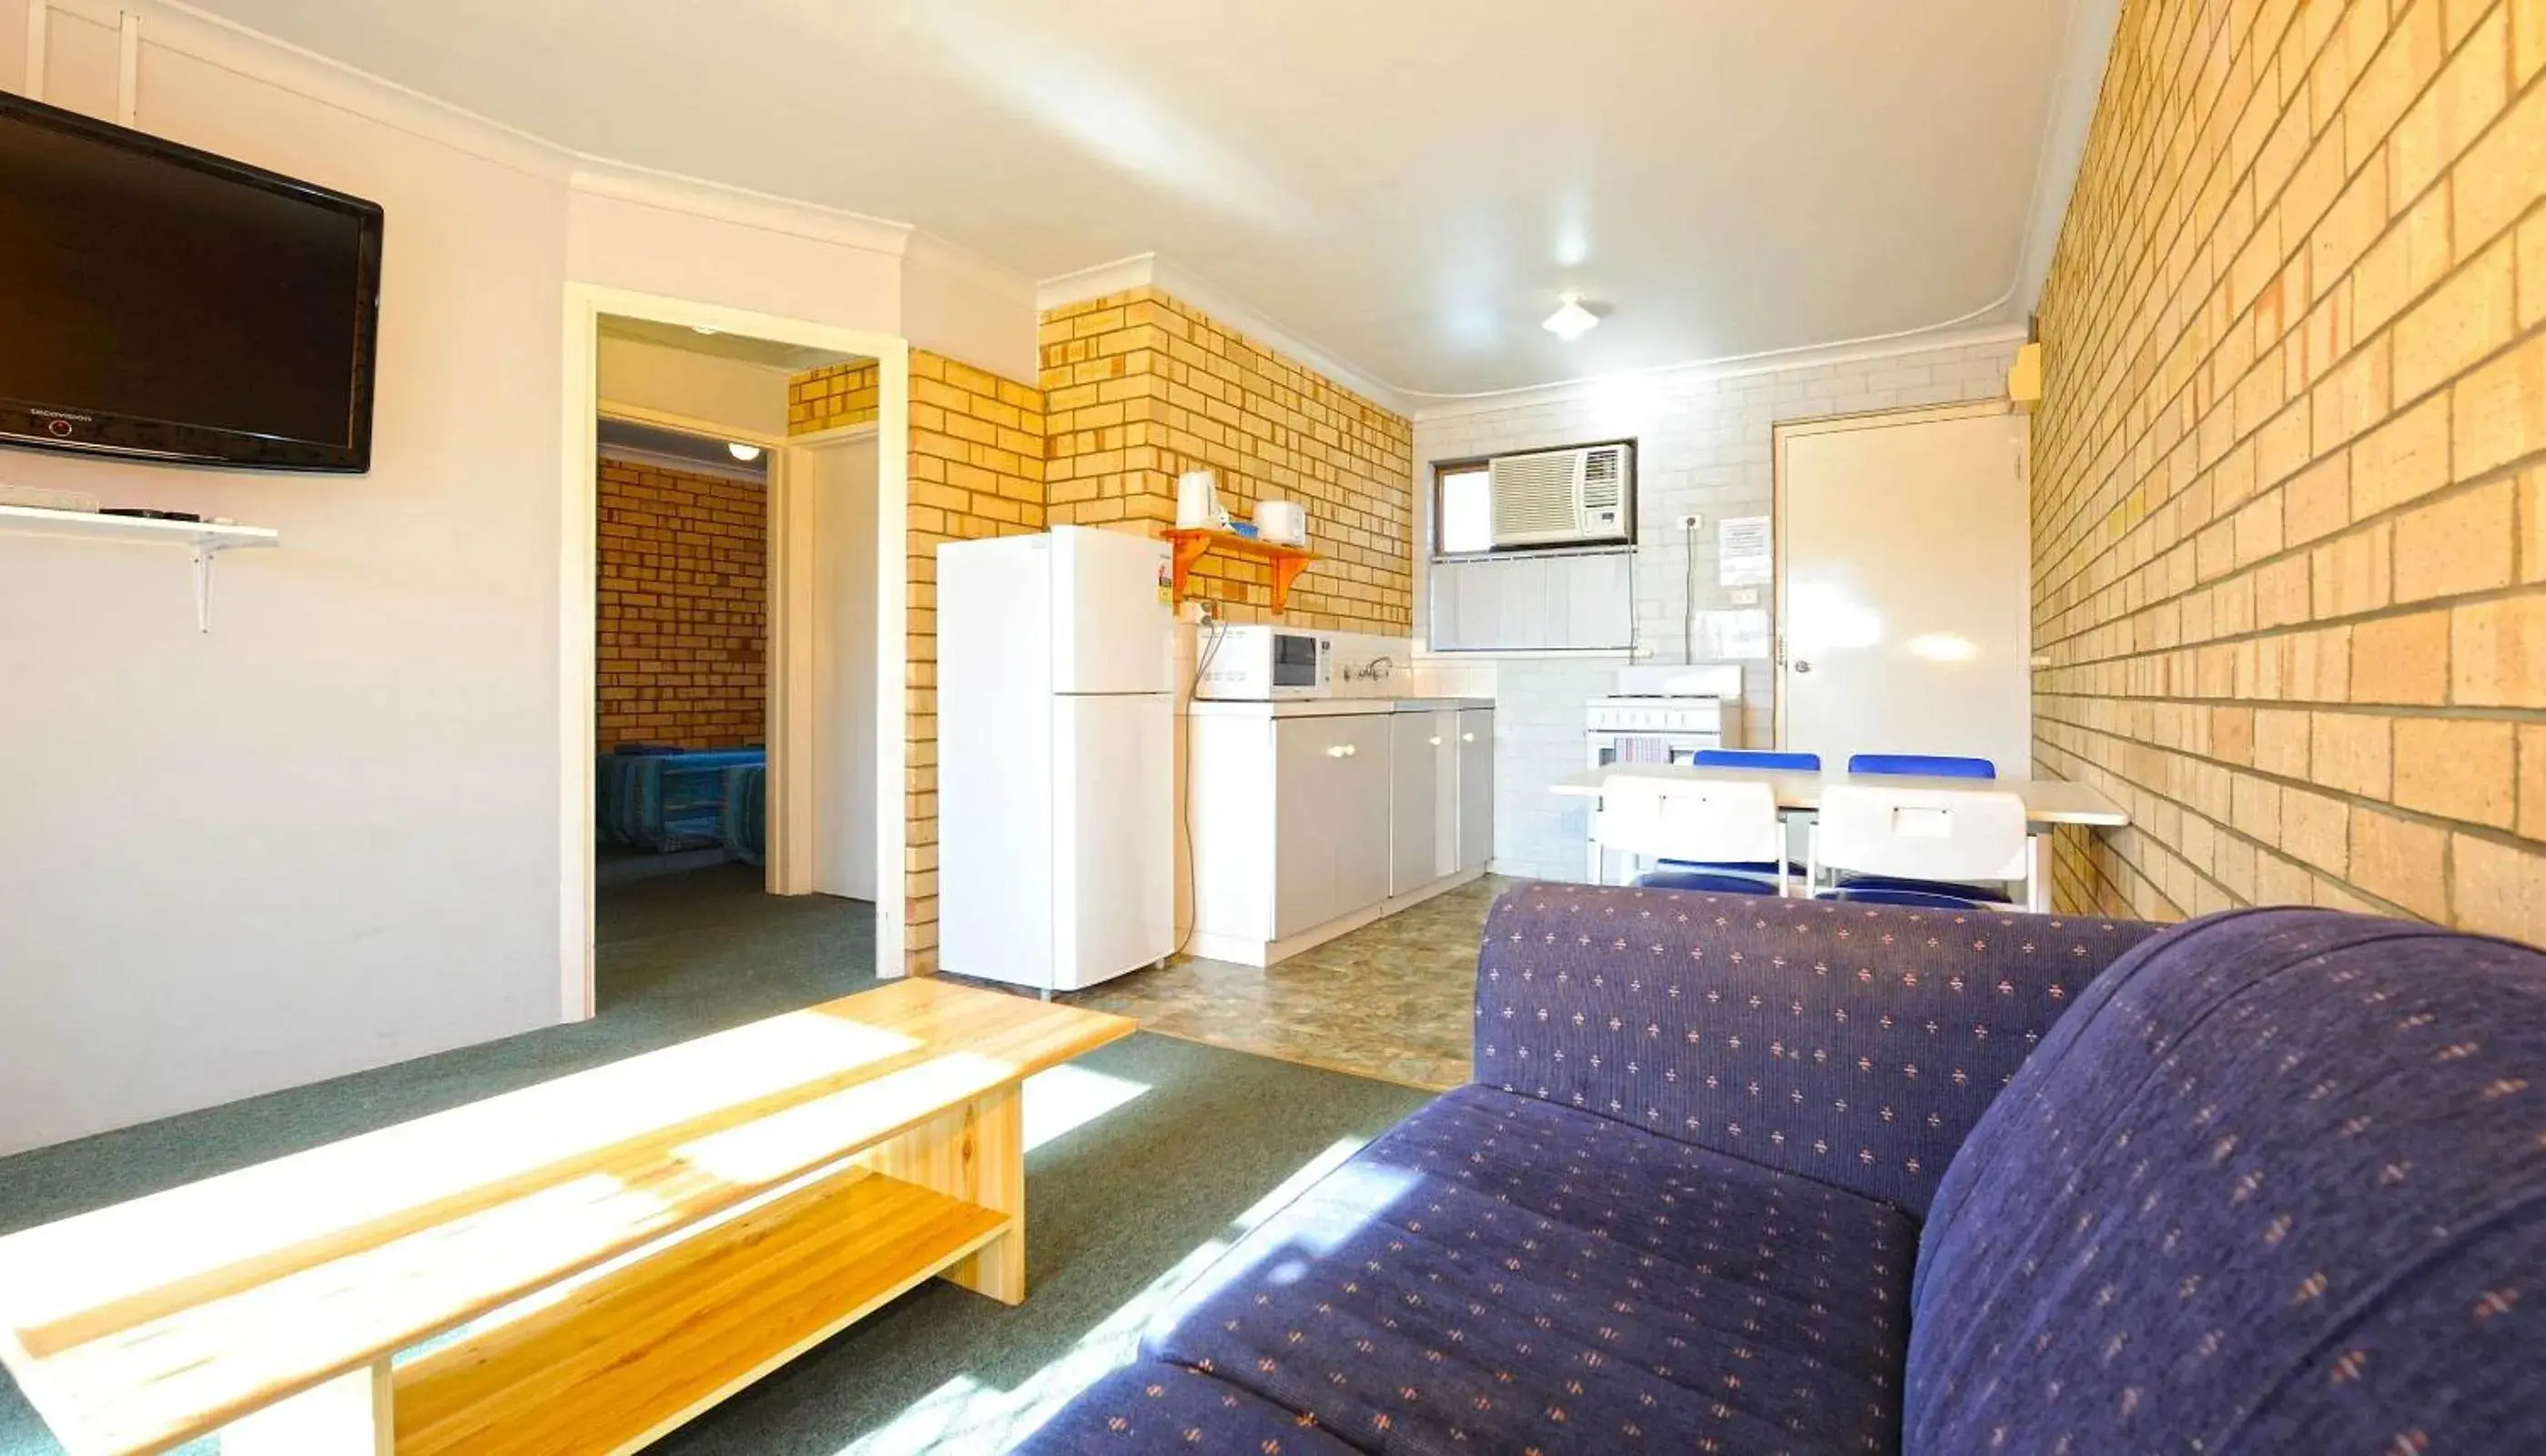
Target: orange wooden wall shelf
(1191,545)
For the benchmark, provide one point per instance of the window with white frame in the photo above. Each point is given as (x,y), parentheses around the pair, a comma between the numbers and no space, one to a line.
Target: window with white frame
(1538,598)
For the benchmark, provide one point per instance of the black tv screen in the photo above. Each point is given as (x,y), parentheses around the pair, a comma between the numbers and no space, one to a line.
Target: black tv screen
(162,302)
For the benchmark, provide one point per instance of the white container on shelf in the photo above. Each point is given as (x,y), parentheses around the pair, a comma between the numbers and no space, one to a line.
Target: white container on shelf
(1283,523)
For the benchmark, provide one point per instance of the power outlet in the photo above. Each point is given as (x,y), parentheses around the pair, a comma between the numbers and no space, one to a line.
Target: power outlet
(1691,522)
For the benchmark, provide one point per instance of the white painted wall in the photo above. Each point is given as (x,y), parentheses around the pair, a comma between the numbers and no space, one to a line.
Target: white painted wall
(325,836)
(699,387)
(1703,438)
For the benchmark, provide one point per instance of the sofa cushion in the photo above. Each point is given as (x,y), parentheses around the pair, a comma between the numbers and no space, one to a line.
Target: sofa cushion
(1854,1045)
(1514,1275)
(1152,1406)
(2276,1184)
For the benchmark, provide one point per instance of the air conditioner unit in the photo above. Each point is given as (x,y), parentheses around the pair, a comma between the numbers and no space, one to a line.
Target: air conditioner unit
(1569,497)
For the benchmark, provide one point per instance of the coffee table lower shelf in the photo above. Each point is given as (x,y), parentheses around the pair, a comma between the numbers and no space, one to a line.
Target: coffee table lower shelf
(627,1358)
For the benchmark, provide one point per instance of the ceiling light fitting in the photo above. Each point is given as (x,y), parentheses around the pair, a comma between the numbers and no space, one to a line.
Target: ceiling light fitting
(703,329)
(746,453)
(1571,321)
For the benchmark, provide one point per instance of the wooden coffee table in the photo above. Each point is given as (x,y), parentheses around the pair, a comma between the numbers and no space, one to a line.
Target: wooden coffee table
(596,1259)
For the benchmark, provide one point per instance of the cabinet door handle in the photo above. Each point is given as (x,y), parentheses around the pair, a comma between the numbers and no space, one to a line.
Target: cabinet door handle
(1351,749)
(1467,738)
(1436,740)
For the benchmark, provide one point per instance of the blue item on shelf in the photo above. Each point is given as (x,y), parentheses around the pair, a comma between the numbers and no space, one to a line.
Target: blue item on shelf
(665,801)
(1933,765)
(746,812)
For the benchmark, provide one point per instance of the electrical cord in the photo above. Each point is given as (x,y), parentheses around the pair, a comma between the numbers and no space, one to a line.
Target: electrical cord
(1688,596)
(1204,651)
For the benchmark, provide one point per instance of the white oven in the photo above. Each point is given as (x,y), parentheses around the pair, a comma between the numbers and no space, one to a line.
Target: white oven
(1262,664)
(1665,714)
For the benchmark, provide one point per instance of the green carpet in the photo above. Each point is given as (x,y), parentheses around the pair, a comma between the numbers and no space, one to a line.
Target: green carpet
(1180,1142)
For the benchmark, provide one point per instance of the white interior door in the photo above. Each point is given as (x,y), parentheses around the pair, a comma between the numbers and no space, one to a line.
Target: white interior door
(1905,594)
(840,478)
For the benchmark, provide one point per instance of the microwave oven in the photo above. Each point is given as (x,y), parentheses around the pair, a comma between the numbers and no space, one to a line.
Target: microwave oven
(1263,662)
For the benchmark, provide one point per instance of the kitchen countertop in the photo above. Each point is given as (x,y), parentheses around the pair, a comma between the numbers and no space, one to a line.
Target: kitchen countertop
(1330,707)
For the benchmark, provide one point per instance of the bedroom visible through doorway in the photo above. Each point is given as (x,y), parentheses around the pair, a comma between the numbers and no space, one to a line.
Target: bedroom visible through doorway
(712,520)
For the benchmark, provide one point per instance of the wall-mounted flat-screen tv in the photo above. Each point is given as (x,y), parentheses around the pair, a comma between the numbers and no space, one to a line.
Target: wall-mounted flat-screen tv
(164,303)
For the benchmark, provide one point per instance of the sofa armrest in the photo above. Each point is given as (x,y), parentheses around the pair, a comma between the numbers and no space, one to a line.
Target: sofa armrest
(1855,1044)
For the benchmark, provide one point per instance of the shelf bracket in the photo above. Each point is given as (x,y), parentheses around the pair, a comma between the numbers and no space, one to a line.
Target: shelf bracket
(1286,570)
(204,587)
(1188,550)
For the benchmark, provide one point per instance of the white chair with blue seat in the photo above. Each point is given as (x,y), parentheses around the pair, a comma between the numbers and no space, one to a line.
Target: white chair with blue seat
(1916,838)
(1767,871)
(1925,765)
(1694,820)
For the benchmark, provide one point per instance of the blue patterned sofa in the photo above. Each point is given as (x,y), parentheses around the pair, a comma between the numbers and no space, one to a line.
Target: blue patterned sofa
(1764,1176)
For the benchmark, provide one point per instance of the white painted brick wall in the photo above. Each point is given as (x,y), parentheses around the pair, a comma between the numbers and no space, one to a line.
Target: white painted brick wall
(1703,446)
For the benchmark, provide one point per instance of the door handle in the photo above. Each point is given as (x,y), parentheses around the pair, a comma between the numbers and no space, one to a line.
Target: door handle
(1337,751)
(1803,666)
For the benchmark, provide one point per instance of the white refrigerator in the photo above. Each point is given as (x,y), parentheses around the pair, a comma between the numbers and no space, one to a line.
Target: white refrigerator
(1055,757)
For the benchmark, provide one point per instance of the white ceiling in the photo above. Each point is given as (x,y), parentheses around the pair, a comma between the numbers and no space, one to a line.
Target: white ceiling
(1407,183)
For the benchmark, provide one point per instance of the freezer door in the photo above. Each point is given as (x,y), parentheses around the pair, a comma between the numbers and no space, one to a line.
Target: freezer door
(1114,856)
(1112,622)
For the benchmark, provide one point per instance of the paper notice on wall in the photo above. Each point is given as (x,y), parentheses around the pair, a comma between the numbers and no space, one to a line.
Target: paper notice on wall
(1742,553)
(1727,635)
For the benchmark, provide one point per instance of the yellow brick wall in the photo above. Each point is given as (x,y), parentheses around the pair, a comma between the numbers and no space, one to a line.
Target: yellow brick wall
(832,398)
(1143,387)
(976,469)
(2289,511)
(683,611)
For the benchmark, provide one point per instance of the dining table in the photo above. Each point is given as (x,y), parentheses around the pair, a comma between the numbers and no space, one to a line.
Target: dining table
(2049,803)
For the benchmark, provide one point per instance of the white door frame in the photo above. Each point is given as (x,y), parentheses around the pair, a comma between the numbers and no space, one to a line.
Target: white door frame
(790,638)
(1785,432)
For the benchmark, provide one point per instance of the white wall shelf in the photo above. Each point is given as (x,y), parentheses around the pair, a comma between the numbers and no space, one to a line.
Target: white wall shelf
(203,538)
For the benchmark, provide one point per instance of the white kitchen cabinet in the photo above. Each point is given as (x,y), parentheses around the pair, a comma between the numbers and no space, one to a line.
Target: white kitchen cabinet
(1330,818)
(1414,799)
(1475,787)
(1360,816)
(1309,820)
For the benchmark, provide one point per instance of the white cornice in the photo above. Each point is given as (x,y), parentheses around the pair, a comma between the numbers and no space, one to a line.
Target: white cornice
(2086,50)
(177,25)
(1149,269)
(1121,275)
(928,248)
(742,206)
(1856,351)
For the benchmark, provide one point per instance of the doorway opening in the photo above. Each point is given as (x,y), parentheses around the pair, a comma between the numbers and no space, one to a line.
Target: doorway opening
(728,655)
